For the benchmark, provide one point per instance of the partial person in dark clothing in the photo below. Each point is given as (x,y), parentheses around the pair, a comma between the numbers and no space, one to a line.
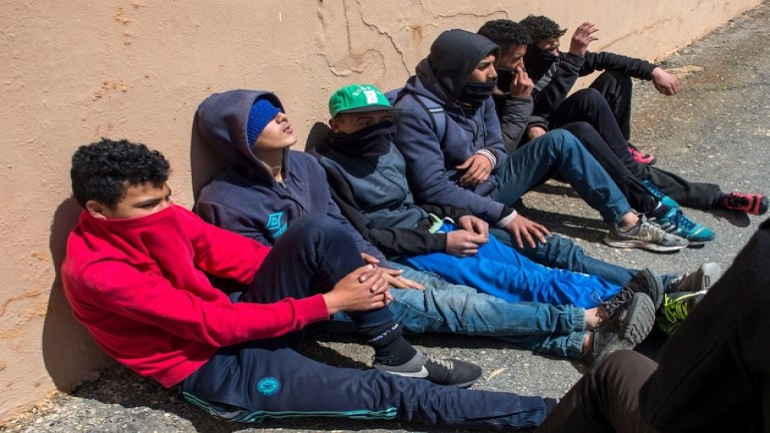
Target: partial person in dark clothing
(514,104)
(712,375)
(614,84)
(606,104)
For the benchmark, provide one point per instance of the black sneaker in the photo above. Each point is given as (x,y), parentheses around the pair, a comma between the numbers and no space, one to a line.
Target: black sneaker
(450,372)
(625,329)
(647,282)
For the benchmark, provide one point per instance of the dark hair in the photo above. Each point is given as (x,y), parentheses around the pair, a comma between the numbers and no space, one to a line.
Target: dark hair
(505,33)
(102,171)
(541,27)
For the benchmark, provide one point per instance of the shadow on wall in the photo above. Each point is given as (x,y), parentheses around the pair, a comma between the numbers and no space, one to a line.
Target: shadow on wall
(70,354)
(204,162)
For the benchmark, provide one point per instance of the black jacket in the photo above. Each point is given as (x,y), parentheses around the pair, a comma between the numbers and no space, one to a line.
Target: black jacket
(554,76)
(373,194)
(714,372)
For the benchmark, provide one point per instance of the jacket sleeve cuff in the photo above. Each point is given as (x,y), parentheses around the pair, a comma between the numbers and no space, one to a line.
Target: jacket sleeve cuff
(313,309)
(505,220)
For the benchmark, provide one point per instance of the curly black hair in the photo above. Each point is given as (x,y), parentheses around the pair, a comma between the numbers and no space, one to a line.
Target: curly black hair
(542,27)
(102,171)
(505,33)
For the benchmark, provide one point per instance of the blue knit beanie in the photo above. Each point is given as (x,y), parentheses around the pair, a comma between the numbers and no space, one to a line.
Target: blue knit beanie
(262,112)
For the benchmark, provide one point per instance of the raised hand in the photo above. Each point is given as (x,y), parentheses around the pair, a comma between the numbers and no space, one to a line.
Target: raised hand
(582,37)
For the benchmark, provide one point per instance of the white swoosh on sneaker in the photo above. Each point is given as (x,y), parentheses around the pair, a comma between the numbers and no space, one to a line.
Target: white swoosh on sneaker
(421,374)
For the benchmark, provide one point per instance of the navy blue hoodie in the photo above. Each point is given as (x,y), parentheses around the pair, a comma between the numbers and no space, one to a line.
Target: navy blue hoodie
(244,197)
(431,159)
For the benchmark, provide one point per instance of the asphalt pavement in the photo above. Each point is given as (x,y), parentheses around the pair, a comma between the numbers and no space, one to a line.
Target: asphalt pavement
(717,130)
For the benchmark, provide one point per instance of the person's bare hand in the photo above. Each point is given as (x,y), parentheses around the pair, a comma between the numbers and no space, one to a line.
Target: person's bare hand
(396,281)
(521,84)
(370,259)
(462,243)
(474,225)
(582,37)
(477,169)
(535,132)
(664,82)
(363,289)
(523,229)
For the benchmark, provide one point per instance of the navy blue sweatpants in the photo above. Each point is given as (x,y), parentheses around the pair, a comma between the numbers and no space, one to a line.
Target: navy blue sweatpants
(266,379)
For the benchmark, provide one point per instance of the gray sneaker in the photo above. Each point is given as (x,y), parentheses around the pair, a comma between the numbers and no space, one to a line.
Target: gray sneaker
(449,372)
(645,235)
(706,275)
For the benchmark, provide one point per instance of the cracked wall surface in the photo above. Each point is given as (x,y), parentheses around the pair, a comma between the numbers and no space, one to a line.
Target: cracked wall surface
(79,70)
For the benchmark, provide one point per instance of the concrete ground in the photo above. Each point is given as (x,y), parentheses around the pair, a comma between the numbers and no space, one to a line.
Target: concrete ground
(716,130)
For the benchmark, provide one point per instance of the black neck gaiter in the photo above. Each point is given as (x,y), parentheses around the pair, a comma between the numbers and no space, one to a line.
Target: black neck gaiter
(476,93)
(369,142)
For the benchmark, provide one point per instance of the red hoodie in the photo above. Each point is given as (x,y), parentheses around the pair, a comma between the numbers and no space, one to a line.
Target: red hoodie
(138,286)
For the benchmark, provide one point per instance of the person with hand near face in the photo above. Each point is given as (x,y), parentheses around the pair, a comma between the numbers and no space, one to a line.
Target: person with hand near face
(516,113)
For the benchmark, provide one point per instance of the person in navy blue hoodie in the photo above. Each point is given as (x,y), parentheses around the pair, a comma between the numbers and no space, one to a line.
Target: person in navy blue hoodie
(251,199)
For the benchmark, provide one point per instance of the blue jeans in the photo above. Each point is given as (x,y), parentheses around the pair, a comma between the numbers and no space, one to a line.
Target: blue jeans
(500,271)
(560,152)
(560,252)
(455,309)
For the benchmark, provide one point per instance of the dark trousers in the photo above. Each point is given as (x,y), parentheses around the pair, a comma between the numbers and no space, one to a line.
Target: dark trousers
(616,88)
(606,399)
(267,379)
(589,105)
(713,372)
(633,189)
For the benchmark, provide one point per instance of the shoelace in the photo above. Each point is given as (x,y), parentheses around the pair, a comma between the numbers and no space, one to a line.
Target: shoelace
(675,310)
(441,362)
(653,189)
(682,221)
(617,302)
(655,229)
(736,200)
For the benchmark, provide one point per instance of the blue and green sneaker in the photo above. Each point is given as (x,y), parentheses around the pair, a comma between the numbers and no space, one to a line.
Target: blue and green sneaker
(676,223)
(657,193)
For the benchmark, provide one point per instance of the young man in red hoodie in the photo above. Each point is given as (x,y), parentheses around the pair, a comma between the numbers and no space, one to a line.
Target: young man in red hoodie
(136,275)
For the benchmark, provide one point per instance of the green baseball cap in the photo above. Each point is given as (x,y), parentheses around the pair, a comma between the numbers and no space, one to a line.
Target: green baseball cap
(356,98)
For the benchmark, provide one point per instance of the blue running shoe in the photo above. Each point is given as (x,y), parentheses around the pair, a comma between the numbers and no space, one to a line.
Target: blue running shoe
(657,193)
(676,223)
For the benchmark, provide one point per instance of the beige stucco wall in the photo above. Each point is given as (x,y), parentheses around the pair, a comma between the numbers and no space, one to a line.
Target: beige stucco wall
(73,71)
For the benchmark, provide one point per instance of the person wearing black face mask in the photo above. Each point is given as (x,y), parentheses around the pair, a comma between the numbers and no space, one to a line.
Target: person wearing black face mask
(465,164)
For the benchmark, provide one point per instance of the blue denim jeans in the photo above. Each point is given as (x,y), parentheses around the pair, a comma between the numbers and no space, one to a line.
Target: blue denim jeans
(500,271)
(560,152)
(562,253)
(455,309)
